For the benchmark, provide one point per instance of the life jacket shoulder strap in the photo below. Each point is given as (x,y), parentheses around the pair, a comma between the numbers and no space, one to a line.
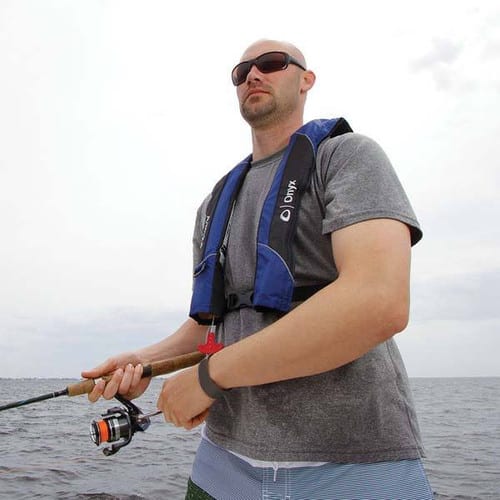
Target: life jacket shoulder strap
(274,285)
(208,299)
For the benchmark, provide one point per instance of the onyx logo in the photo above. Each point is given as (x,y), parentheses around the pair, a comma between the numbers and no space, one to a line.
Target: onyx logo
(288,199)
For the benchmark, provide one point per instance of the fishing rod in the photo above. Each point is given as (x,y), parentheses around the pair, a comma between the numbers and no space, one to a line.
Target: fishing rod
(118,424)
(85,386)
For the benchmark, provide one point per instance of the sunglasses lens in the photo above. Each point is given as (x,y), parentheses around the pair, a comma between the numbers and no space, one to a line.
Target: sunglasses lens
(273,61)
(266,63)
(240,73)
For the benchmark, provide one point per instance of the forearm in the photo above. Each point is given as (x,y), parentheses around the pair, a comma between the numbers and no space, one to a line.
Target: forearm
(184,340)
(366,305)
(335,326)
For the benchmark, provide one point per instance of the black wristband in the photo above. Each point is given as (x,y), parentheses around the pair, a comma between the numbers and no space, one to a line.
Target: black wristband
(210,388)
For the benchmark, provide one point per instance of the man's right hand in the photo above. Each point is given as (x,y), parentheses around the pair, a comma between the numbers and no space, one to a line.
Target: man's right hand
(126,379)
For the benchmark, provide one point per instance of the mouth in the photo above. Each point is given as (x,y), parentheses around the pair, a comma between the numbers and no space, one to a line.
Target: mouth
(253,92)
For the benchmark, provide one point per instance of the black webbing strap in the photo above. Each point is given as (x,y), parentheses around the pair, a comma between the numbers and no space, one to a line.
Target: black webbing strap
(240,300)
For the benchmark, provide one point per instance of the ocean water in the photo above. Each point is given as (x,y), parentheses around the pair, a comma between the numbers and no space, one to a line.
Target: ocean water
(46,451)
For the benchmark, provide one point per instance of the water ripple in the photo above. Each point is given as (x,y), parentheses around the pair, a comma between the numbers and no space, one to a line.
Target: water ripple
(47,453)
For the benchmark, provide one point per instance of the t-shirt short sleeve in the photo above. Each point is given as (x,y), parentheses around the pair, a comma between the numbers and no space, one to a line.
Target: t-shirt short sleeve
(360,184)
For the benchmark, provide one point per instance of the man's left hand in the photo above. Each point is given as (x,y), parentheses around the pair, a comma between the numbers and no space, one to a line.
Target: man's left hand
(183,401)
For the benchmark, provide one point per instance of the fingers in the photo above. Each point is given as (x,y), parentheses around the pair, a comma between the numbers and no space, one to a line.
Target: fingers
(137,375)
(168,415)
(123,381)
(131,376)
(106,390)
(97,391)
(113,384)
(194,422)
(103,369)
(182,401)
(171,418)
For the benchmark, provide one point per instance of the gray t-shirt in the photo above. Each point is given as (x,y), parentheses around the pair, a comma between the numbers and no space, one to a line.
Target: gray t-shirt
(362,411)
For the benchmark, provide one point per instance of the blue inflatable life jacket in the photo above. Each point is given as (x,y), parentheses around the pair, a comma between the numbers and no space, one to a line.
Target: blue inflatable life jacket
(274,284)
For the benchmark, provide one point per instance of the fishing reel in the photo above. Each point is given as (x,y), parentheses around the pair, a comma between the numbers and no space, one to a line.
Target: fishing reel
(118,425)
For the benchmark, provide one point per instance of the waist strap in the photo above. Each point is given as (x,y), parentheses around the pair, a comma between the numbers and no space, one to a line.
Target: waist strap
(239,300)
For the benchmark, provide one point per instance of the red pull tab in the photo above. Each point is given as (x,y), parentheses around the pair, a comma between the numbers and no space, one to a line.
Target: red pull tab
(210,346)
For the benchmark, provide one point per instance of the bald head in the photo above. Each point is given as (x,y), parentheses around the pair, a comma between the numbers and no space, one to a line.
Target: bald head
(272,94)
(261,46)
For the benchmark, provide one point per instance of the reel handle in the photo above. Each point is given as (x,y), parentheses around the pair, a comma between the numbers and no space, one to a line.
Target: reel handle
(152,370)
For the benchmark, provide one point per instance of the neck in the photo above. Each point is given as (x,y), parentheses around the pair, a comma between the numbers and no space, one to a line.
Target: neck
(269,140)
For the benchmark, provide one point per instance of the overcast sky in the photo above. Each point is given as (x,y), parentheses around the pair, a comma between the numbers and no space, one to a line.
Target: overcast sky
(117,117)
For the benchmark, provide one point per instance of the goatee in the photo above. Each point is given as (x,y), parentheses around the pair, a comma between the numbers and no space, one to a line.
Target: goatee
(260,114)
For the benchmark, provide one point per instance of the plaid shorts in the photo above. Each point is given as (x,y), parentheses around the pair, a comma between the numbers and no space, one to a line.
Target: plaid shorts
(218,474)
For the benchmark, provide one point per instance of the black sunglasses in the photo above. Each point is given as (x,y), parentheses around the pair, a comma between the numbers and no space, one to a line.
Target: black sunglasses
(266,63)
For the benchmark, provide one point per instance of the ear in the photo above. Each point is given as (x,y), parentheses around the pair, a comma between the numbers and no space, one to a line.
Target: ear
(308,79)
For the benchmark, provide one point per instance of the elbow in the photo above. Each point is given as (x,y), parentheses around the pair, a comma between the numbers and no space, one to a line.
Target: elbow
(393,314)
(398,321)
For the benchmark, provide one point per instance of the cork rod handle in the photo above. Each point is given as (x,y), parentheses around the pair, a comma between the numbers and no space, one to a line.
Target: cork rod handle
(152,370)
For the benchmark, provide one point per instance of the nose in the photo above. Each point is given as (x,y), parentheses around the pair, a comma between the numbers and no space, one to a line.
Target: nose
(253,74)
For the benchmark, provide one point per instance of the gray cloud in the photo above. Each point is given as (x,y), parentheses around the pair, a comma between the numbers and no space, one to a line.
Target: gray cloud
(443,60)
(64,346)
(442,52)
(451,348)
(462,297)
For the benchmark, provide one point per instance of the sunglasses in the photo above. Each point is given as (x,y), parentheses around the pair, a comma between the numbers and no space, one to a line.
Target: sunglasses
(266,63)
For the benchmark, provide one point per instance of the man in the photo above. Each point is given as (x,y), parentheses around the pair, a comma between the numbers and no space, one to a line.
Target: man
(313,402)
